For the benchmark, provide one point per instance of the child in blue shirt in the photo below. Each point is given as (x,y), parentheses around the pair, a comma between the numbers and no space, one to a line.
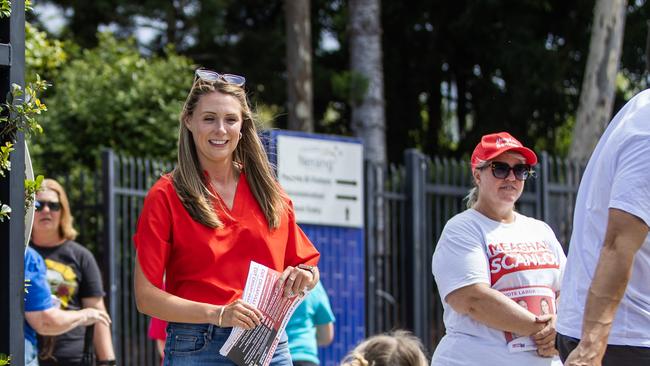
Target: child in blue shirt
(310,326)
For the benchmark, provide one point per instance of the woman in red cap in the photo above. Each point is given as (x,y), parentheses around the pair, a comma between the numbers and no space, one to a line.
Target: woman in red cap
(488,258)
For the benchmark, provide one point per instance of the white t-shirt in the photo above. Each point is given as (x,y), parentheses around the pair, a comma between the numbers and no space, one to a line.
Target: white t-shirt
(515,256)
(617,176)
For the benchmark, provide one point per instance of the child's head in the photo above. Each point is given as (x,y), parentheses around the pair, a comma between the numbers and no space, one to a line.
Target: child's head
(398,348)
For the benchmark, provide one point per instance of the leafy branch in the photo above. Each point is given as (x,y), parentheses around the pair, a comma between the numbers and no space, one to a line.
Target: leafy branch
(22,115)
(5,163)
(5,11)
(31,187)
(5,8)
(19,113)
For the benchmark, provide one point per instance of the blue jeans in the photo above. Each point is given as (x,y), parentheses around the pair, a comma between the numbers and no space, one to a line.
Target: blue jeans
(31,354)
(199,345)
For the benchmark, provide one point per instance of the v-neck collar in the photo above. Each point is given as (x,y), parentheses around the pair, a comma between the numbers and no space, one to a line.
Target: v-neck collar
(231,210)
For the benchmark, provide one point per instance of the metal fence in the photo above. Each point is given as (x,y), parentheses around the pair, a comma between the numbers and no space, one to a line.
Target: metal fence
(84,190)
(407,208)
(106,205)
(125,184)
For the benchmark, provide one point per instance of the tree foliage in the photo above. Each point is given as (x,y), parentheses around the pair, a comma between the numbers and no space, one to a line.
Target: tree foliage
(111,96)
(44,55)
(600,77)
(482,66)
(454,70)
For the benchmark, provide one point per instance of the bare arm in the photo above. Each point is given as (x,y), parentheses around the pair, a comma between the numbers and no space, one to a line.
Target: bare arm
(155,302)
(102,339)
(55,321)
(494,309)
(325,334)
(625,235)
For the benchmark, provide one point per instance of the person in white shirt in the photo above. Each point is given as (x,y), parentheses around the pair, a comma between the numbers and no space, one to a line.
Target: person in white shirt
(604,318)
(489,259)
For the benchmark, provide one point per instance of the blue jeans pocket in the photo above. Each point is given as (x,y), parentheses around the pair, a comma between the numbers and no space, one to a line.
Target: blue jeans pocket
(187,342)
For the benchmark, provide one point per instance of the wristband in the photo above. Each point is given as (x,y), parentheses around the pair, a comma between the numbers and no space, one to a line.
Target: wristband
(221,315)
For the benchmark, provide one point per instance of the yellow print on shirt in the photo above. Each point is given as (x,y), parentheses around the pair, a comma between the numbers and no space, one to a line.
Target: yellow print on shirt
(62,280)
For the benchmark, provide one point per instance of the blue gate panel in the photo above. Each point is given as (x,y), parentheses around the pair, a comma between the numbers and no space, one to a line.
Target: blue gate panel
(342,267)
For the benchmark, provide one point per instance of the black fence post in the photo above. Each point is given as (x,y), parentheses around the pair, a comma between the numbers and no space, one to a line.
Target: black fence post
(417,314)
(12,193)
(111,261)
(545,171)
(371,281)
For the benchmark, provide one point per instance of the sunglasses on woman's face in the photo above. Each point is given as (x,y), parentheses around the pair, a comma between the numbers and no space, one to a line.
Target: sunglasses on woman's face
(212,76)
(502,170)
(40,205)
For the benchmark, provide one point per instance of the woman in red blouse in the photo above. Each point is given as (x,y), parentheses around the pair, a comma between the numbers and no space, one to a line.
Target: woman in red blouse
(202,225)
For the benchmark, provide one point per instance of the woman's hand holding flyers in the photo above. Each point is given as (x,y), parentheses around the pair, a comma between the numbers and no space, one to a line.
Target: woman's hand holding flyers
(239,314)
(296,280)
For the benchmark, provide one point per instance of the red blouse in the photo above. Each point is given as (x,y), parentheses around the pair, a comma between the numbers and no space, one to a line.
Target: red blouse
(211,265)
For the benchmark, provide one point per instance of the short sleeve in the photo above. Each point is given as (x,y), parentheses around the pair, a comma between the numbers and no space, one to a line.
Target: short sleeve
(299,248)
(152,238)
(37,296)
(459,259)
(631,183)
(552,241)
(91,284)
(322,310)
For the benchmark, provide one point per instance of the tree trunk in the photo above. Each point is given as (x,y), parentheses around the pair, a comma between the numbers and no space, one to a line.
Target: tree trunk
(299,79)
(368,116)
(369,123)
(599,84)
(171,19)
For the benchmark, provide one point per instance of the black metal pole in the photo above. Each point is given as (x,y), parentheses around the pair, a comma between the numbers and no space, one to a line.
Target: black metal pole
(371,280)
(111,260)
(418,315)
(12,192)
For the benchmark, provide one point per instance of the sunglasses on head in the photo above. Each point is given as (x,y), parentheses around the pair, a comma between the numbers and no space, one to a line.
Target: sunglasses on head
(502,170)
(212,76)
(40,205)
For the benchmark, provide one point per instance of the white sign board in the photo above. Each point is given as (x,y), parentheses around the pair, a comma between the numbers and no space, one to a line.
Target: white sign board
(324,179)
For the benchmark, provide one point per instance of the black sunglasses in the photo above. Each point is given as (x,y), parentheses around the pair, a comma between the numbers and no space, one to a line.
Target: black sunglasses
(502,170)
(212,76)
(40,205)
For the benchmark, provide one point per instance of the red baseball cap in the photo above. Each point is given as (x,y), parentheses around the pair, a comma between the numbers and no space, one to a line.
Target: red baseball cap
(495,144)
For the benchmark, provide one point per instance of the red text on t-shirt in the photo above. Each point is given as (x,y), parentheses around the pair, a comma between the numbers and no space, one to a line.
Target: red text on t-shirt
(505,258)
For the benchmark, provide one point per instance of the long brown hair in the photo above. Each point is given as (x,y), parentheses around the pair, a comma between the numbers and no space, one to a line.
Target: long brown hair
(66,230)
(188,174)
